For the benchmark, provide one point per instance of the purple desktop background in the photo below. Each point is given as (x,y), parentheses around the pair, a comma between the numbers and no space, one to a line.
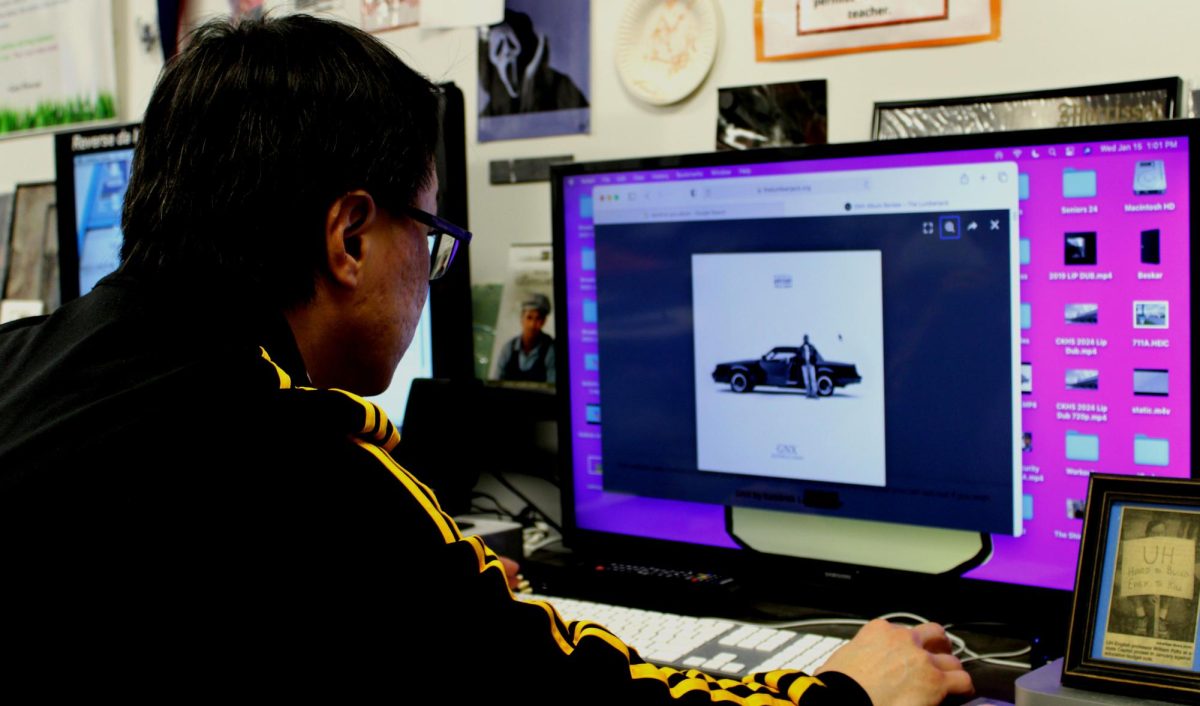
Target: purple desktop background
(1045,556)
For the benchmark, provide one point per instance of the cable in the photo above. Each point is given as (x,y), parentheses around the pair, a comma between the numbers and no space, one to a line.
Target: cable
(996,658)
(487,511)
(959,646)
(500,509)
(529,503)
(535,545)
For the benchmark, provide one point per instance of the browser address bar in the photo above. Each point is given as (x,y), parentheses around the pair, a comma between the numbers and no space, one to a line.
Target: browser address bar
(789,188)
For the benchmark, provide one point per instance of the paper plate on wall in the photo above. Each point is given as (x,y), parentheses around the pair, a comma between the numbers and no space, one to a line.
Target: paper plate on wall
(665,48)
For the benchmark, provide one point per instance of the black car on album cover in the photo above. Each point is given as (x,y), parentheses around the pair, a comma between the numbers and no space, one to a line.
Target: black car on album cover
(780,367)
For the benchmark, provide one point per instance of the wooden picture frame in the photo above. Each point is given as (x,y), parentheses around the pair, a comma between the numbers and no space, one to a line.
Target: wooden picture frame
(1134,627)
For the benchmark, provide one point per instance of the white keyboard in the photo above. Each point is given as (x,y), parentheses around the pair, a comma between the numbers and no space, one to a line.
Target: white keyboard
(719,647)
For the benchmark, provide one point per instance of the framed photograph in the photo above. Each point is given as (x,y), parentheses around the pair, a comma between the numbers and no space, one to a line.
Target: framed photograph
(772,115)
(1133,101)
(33,245)
(1134,621)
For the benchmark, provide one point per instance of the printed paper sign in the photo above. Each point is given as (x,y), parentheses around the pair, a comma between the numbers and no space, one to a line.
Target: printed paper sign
(1158,566)
(831,15)
(57,64)
(796,29)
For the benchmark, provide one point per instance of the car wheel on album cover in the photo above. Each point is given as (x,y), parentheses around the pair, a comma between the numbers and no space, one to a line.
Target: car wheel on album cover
(740,383)
(824,386)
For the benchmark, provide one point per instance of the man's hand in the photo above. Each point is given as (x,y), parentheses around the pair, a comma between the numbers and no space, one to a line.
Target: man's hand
(901,666)
(512,572)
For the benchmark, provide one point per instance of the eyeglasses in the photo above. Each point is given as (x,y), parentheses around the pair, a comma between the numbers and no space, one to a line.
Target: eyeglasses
(444,239)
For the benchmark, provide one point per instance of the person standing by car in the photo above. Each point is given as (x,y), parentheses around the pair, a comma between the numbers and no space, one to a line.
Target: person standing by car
(807,357)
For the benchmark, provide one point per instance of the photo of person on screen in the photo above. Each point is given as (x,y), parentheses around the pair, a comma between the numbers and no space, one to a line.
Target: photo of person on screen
(806,360)
(529,356)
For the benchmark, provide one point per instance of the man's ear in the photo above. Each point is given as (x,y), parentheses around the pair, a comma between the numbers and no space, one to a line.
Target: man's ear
(350,216)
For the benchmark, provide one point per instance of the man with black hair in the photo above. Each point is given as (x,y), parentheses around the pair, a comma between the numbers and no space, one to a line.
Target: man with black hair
(194,498)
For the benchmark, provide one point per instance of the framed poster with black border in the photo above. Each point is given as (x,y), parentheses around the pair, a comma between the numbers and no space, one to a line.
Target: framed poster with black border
(1131,101)
(1134,620)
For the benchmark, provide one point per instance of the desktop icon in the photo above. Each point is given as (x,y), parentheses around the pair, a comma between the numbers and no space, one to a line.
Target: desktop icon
(1150,252)
(589,311)
(1082,379)
(1081,313)
(1022,186)
(1079,248)
(1151,381)
(587,259)
(1148,451)
(1083,447)
(585,206)
(1079,183)
(1026,315)
(1151,314)
(1024,251)
(1150,177)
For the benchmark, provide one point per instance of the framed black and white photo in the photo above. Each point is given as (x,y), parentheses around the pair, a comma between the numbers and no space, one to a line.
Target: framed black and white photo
(1133,101)
(1134,622)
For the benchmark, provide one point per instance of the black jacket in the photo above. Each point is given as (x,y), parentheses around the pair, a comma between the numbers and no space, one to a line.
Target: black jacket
(180,515)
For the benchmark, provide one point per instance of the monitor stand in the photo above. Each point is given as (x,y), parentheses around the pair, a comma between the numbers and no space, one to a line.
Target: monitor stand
(1043,687)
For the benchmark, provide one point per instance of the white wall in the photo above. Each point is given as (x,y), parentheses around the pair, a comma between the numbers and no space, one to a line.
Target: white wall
(1044,44)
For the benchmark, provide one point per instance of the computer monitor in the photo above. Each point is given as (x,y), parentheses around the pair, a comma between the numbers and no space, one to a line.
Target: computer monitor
(672,271)
(93,172)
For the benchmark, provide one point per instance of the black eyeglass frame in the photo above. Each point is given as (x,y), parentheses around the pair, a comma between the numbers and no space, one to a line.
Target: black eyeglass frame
(439,227)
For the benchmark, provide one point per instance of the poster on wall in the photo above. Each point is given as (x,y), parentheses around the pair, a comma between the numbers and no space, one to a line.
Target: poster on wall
(310,7)
(246,9)
(59,64)
(799,29)
(442,14)
(534,71)
(772,115)
(380,15)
